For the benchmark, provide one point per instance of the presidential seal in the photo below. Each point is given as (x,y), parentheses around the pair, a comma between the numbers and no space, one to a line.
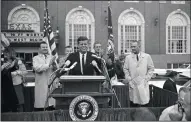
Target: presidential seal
(83,107)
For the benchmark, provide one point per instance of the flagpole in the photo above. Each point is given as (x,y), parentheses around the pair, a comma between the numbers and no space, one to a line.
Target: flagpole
(50,52)
(112,53)
(47,15)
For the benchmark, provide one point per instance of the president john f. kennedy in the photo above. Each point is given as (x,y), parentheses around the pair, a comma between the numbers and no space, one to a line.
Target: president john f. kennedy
(82,62)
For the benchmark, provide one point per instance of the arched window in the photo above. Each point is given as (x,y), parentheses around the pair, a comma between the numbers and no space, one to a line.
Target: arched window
(130,28)
(178,33)
(24,17)
(80,22)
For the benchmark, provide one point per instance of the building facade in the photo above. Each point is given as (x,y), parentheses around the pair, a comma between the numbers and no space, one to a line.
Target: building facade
(163,27)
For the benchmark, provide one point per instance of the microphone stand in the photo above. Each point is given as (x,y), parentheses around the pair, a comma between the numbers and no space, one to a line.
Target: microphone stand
(107,75)
(49,85)
(52,81)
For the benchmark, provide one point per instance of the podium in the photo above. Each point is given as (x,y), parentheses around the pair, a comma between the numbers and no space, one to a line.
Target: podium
(73,86)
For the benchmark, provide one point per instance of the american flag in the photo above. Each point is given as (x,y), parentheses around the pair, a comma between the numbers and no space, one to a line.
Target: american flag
(110,45)
(49,35)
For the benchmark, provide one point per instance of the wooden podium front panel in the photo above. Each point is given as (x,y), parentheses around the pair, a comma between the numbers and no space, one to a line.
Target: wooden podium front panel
(71,87)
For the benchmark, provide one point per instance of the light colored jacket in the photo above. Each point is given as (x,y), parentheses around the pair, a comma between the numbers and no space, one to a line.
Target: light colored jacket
(18,75)
(138,73)
(42,74)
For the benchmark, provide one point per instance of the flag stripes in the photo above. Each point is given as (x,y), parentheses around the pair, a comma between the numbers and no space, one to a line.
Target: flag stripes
(110,46)
(48,33)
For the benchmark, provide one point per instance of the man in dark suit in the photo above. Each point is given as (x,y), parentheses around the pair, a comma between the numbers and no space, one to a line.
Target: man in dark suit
(84,59)
(170,83)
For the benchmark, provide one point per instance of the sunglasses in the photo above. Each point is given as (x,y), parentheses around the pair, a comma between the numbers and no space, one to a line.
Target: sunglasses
(180,106)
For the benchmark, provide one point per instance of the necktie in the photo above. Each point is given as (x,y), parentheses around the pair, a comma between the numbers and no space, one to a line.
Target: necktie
(83,63)
(137,57)
(45,56)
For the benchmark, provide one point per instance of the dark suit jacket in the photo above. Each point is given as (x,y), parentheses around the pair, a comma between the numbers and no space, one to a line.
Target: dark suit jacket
(170,85)
(8,94)
(89,69)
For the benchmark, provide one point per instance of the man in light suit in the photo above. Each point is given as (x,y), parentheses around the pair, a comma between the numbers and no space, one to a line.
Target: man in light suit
(43,67)
(138,69)
(83,58)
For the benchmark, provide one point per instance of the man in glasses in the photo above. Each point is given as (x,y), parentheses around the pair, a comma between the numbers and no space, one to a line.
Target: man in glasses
(176,112)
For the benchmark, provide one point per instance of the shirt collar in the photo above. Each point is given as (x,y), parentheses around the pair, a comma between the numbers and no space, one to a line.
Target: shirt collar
(139,54)
(171,79)
(82,54)
(42,55)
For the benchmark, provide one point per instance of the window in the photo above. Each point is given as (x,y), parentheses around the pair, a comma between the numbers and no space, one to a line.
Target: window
(79,22)
(27,58)
(178,2)
(178,65)
(24,17)
(131,28)
(178,33)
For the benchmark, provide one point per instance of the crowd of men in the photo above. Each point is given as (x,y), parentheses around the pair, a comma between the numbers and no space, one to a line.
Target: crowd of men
(136,68)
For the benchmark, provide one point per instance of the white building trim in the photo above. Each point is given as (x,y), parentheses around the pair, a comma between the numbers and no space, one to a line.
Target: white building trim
(31,13)
(85,12)
(185,20)
(140,20)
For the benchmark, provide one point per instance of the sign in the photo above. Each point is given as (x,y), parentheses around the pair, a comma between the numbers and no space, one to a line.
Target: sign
(83,107)
(20,26)
(24,36)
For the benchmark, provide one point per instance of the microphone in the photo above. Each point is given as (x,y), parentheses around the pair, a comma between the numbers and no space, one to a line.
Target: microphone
(73,65)
(67,63)
(94,63)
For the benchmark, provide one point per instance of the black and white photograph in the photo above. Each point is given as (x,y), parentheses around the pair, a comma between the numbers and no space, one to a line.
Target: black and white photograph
(90,60)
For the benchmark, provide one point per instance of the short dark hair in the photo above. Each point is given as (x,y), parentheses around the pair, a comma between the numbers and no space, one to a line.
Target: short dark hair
(170,73)
(68,46)
(43,42)
(10,51)
(96,43)
(82,38)
(138,42)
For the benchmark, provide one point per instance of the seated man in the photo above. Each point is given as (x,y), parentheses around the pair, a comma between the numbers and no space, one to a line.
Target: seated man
(170,84)
(82,62)
(174,108)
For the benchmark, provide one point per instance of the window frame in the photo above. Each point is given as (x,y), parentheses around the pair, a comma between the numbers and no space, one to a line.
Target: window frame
(187,20)
(142,29)
(67,24)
